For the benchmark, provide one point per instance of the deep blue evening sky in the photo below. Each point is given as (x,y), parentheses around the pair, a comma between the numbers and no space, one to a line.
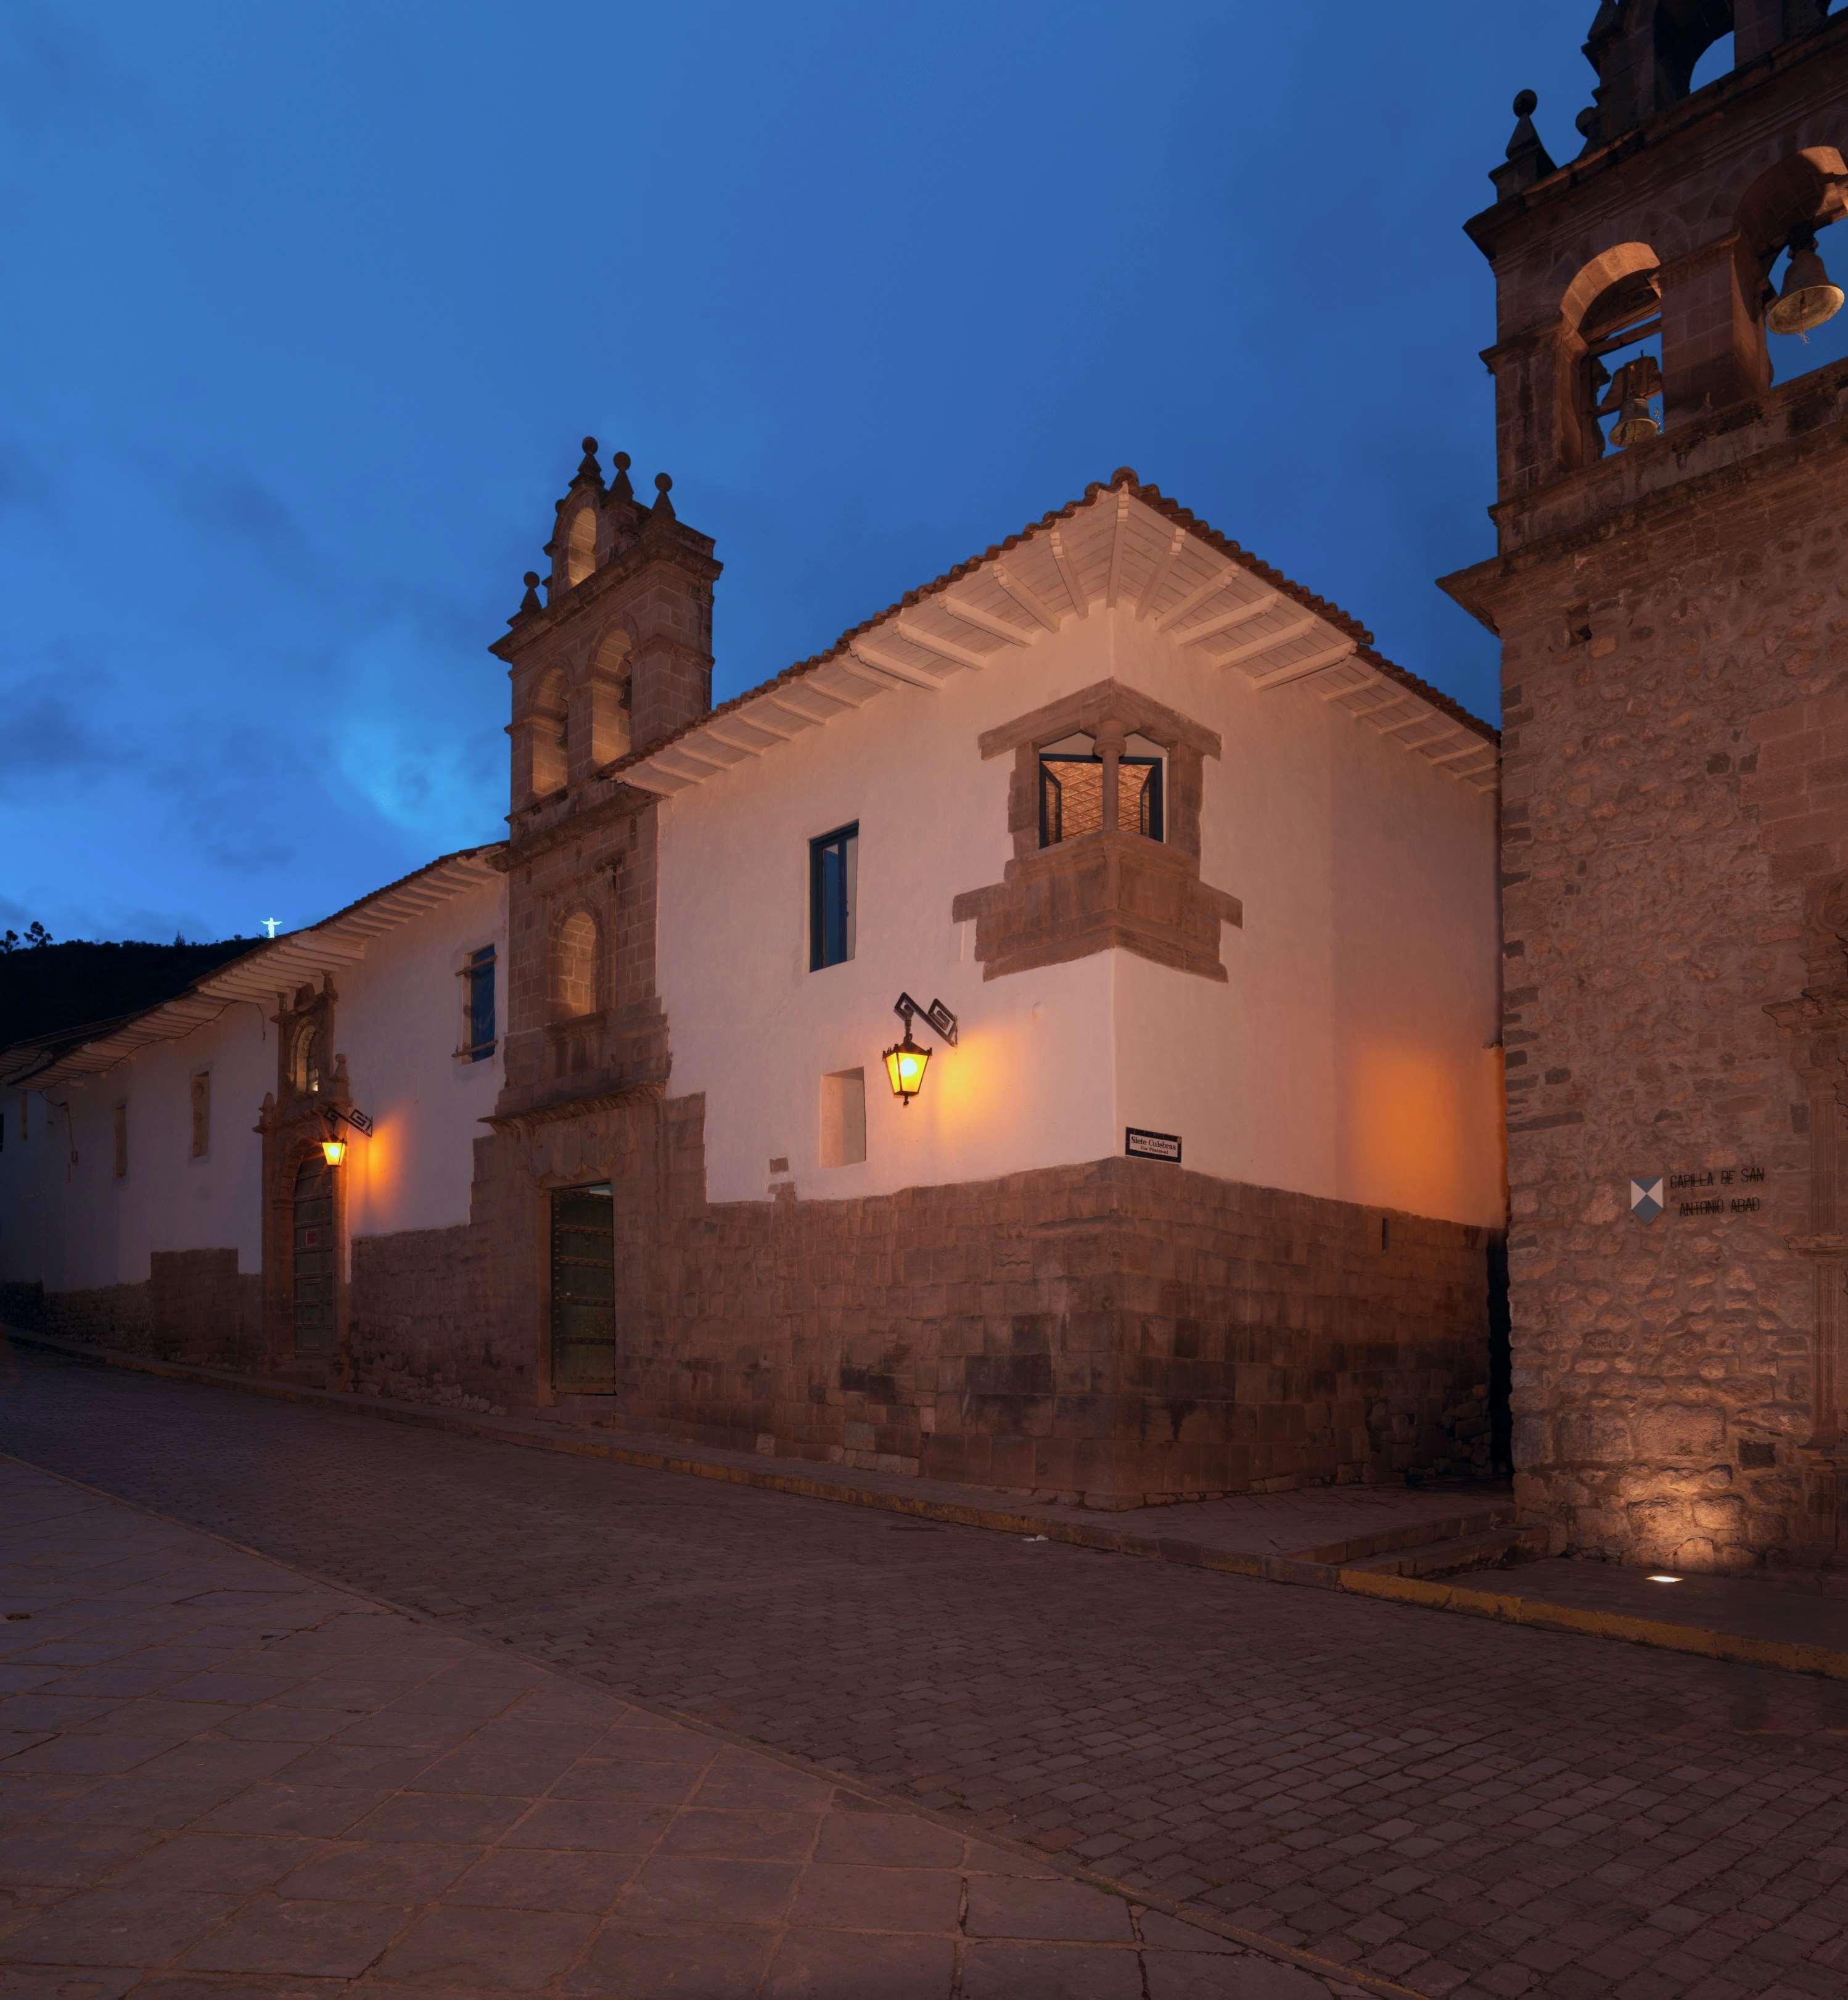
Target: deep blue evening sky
(311,305)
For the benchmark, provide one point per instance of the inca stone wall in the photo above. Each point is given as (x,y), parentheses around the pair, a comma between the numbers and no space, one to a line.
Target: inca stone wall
(1122,1330)
(1675,797)
(418,1331)
(194,1305)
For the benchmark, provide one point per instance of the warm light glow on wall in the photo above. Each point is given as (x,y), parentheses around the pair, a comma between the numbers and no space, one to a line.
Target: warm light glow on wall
(1407,1115)
(381,1175)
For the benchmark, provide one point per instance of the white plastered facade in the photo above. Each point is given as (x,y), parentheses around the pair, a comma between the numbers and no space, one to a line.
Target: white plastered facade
(68,1221)
(1351,1053)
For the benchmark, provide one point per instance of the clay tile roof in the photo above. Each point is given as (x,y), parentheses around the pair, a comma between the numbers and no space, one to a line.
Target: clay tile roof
(1171,510)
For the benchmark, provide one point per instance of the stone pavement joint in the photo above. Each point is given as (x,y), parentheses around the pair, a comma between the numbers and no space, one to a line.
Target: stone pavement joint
(1274,1536)
(269,1778)
(1449,1807)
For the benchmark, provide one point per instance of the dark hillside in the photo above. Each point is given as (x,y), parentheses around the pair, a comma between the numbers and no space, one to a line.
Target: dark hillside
(47,987)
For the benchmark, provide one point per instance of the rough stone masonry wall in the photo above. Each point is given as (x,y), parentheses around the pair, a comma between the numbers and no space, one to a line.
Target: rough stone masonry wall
(1664,677)
(1124,1330)
(194,1305)
(417,1332)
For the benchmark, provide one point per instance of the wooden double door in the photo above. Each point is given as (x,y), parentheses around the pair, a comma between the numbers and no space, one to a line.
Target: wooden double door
(583,1287)
(317,1334)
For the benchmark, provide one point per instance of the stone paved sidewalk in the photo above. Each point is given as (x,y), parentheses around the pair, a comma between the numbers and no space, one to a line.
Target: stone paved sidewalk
(1754,1608)
(219,1778)
(1471,1810)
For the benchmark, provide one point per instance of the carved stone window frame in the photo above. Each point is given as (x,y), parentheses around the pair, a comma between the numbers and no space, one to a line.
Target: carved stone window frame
(1111,890)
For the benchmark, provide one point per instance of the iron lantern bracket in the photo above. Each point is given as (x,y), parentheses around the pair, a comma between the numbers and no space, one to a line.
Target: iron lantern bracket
(337,1115)
(936,1017)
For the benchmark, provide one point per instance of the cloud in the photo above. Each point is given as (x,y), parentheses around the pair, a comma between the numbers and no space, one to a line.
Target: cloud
(404,744)
(238,793)
(240,506)
(46,736)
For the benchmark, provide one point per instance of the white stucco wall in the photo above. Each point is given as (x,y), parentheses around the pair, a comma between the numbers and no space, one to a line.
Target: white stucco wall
(66,1219)
(399,1023)
(1350,1054)
(1030,1084)
(73,1225)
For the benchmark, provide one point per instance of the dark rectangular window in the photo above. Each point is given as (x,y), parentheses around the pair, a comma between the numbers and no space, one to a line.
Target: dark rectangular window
(833,896)
(478,985)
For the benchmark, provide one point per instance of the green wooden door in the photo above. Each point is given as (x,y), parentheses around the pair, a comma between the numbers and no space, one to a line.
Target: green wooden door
(584,1284)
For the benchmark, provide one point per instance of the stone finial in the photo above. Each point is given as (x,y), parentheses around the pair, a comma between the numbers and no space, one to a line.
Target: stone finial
(663,506)
(1527,160)
(619,487)
(529,603)
(1587,125)
(588,467)
(1124,475)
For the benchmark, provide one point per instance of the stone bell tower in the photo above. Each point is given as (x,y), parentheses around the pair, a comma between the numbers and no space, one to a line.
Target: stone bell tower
(617,658)
(1671,592)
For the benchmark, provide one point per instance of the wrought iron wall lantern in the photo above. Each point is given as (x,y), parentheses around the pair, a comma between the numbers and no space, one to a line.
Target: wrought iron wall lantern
(333,1146)
(906,1060)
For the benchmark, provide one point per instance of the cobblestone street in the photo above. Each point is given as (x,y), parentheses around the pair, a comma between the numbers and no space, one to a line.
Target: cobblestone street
(1457,1807)
(218,1777)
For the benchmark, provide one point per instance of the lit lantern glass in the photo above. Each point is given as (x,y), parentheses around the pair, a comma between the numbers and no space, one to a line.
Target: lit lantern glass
(333,1151)
(905,1063)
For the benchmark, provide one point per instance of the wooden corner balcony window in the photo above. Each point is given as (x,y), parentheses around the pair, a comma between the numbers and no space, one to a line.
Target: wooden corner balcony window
(1104,809)
(1076,784)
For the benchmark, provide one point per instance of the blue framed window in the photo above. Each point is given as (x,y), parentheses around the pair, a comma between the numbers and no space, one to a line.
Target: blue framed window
(478,1002)
(833,896)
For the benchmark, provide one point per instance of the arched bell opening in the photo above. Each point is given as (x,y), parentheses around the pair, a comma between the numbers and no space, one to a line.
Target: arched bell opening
(1693,46)
(1717,60)
(1611,353)
(1786,220)
(549,720)
(580,544)
(575,953)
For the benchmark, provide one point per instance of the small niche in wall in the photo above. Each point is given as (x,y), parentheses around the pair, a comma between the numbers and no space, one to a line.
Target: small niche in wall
(844,1118)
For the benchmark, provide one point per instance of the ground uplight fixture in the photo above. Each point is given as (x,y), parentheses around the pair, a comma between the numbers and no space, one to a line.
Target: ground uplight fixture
(906,1060)
(1661,1576)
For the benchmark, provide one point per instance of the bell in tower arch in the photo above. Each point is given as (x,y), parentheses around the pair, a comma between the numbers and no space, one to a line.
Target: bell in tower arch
(1808,296)
(1631,388)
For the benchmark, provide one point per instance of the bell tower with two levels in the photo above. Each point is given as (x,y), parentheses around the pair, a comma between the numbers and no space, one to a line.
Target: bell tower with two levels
(1670,589)
(614,660)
